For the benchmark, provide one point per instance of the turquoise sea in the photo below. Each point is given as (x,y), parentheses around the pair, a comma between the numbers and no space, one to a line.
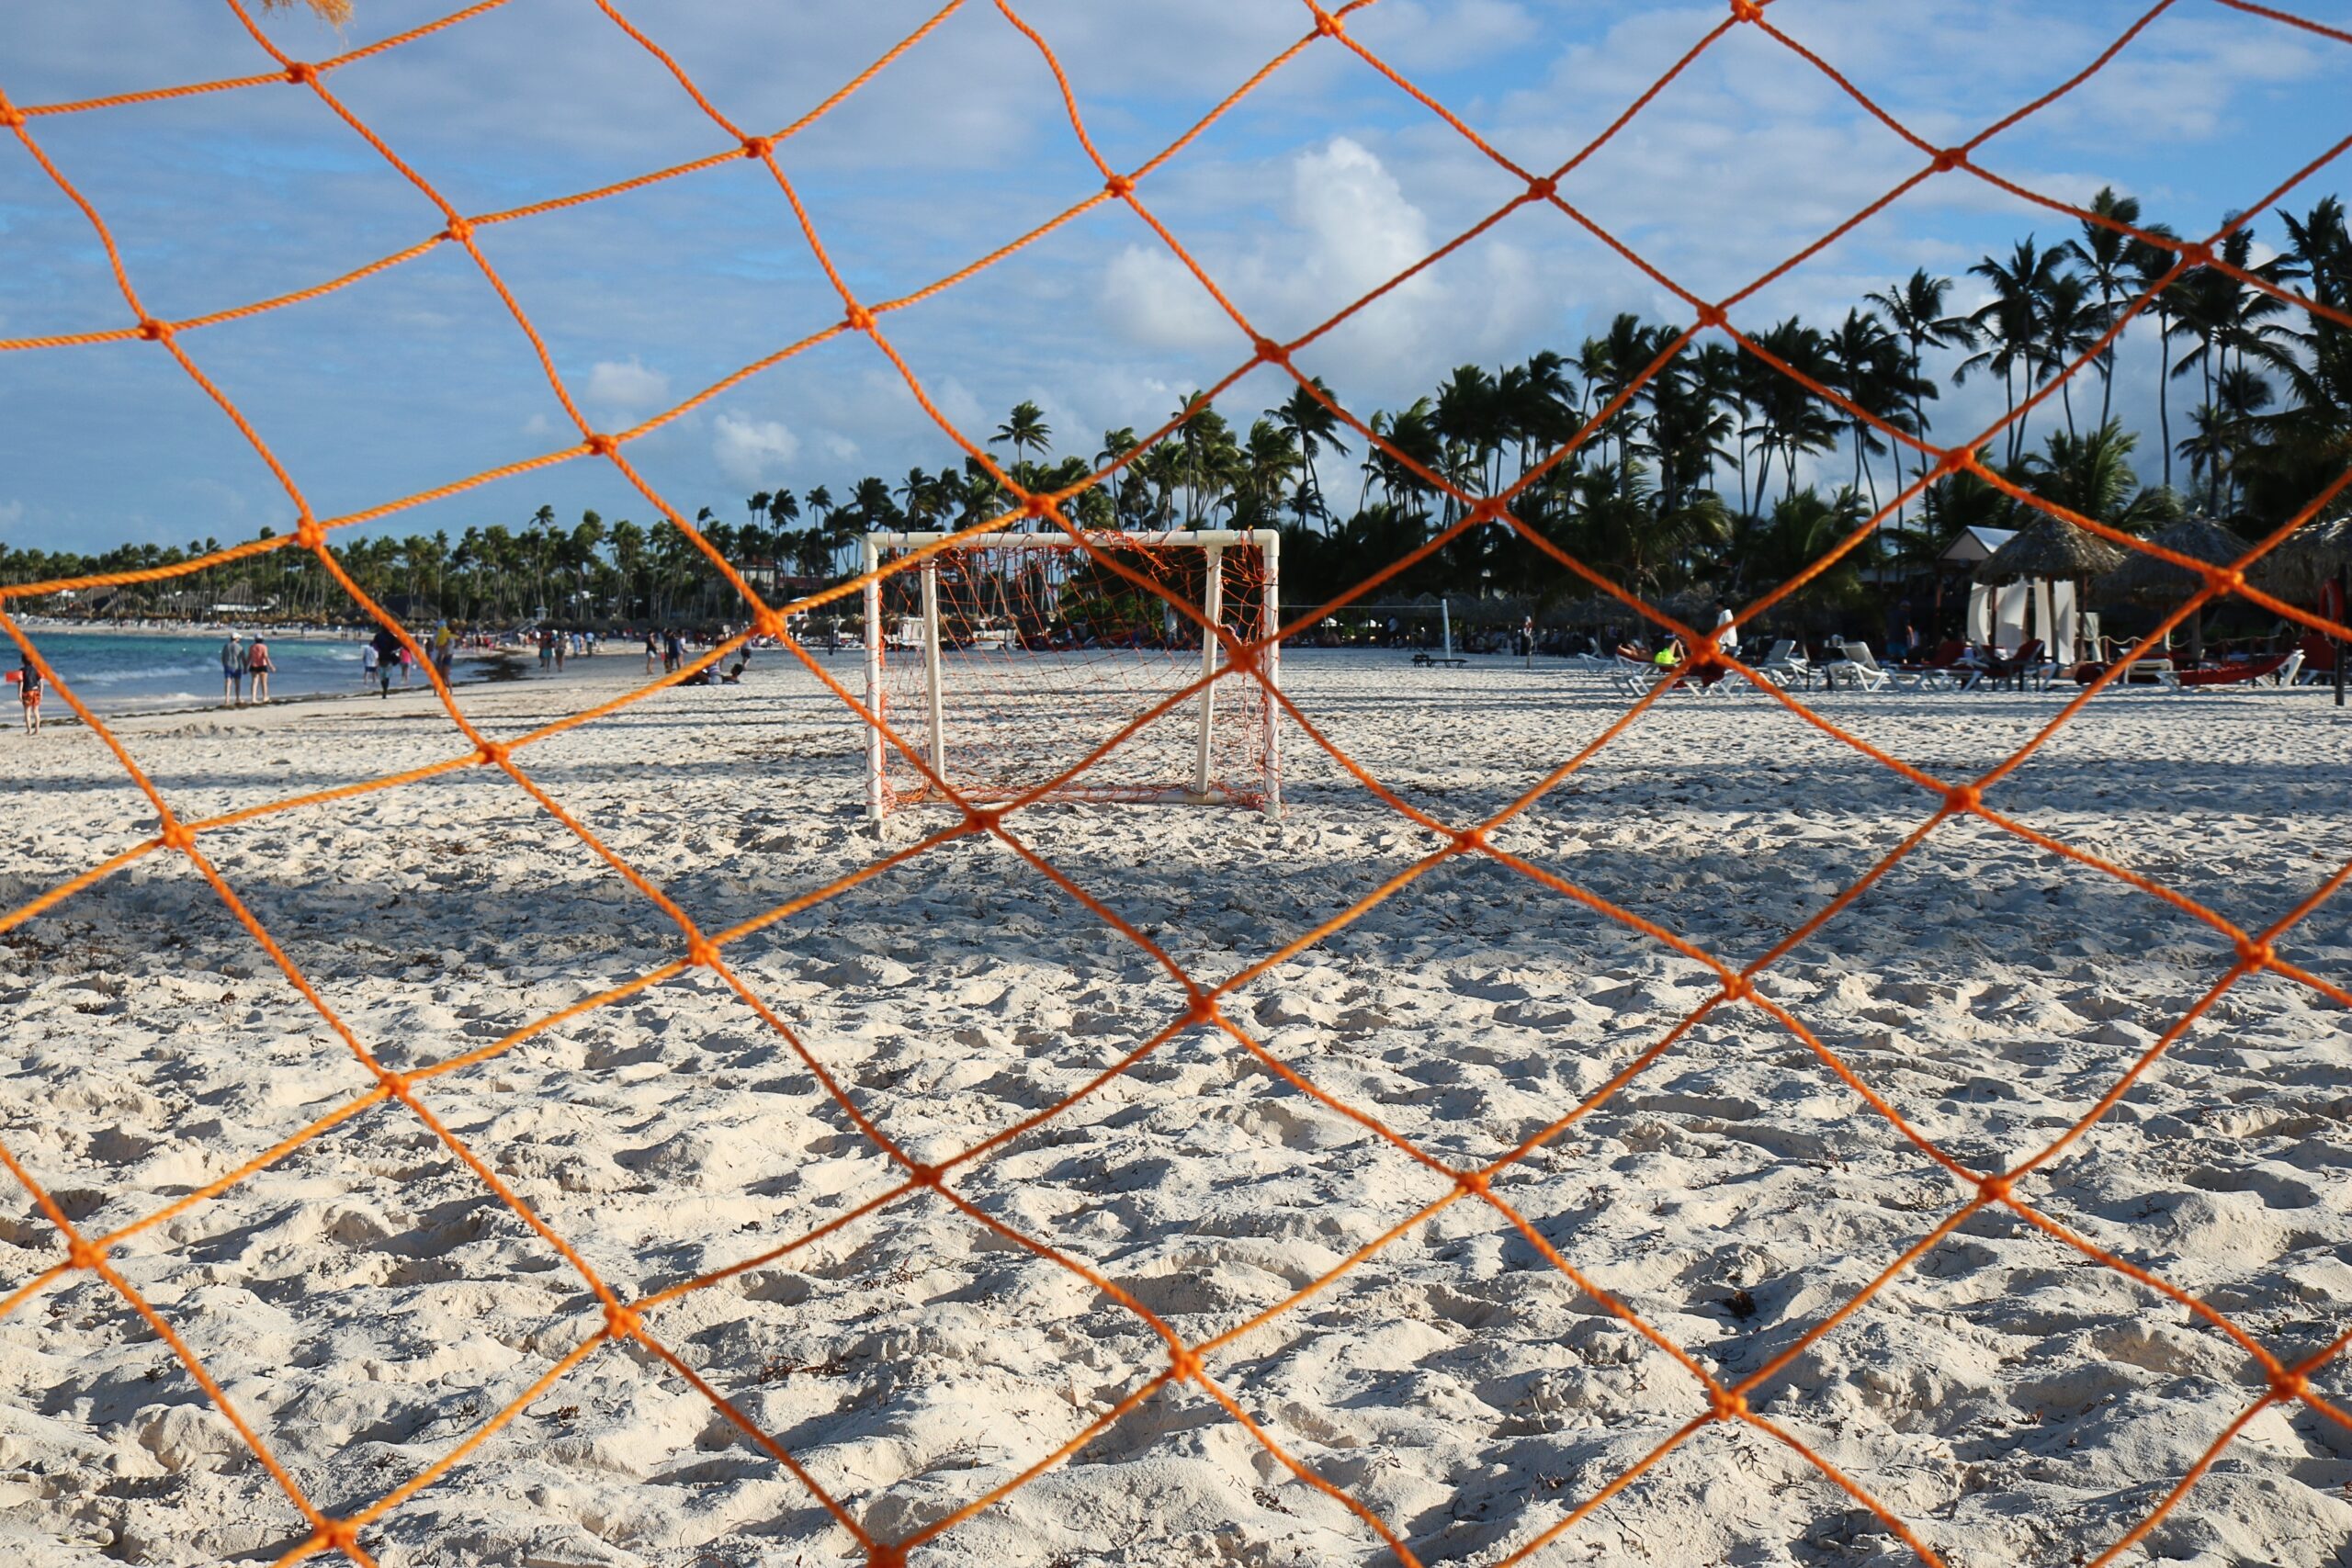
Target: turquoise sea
(128,671)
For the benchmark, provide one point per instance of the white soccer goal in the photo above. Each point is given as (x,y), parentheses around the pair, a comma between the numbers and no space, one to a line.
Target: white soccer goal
(1007,658)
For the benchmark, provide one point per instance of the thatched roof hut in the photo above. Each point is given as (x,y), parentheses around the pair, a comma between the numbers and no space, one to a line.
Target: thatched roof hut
(2152,580)
(2051,548)
(2145,576)
(2307,557)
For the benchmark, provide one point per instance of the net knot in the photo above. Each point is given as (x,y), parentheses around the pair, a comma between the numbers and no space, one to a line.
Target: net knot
(1269,352)
(1747,11)
(11,115)
(882,1556)
(491,754)
(393,1084)
(2225,578)
(1036,506)
(154,331)
(2255,954)
(979,820)
(924,1175)
(860,318)
(1471,1183)
(1993,1189)
(1488,511)
(757,147)
(622,1322)
(768,622)
(1326,23)
(82,1254)
(1949,159)
(1954,459)
(2198,254)
(603,446)
(1713,316)
(460,228)
(1724,1405)
(1202,1010)
(1962,799)
(1185,1362)
(1738,988)
(702,953)
(302,74)
(1468,840)
(309,534)
(178,836)
(2285,1387)
(1120,186)
(1543,189)
(339,1535)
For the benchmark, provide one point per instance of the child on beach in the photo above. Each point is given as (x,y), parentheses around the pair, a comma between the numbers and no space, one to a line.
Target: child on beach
(29,693)
(367,658)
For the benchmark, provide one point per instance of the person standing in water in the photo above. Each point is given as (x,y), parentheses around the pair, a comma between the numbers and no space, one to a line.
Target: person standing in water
(259,668)
(232,672)
(29,693)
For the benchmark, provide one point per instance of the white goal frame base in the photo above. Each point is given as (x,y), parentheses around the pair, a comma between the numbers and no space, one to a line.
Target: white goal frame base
(934,736)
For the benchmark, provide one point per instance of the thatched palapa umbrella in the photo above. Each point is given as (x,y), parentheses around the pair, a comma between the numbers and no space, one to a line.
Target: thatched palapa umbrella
(2154,581)
(2308,559)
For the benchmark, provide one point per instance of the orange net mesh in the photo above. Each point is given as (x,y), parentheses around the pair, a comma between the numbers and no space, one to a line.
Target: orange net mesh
(1048,650)
(408,1096)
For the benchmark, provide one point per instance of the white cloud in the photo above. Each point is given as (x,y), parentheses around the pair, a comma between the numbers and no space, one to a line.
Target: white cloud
(626,386)
(840,447)
(11,513)
(753,451)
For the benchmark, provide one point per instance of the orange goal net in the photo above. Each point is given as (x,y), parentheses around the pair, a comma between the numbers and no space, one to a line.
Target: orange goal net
(1057,665)
(1008,669)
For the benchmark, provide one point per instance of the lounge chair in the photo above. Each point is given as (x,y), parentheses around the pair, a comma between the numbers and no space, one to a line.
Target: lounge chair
(2028,664)
(1859,668)
(1785,666)
(2244,673)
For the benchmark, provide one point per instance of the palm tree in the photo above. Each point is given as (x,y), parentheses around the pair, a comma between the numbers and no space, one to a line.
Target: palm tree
(2013,324)
(1025,431)
(1313,428)
(2105,256)
(2150,264)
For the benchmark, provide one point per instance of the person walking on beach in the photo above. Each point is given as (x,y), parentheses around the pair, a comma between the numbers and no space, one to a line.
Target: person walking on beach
(445,651)
(387,648)
(674,652)
(562,642)
(29,693)
(1726,631)
(367,658)
(259,667)
(652,651)
(232,672)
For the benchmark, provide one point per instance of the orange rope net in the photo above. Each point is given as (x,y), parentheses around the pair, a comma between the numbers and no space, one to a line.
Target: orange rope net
(1245,651)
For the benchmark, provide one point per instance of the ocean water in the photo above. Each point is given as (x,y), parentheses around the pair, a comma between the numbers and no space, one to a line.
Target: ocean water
(128,672)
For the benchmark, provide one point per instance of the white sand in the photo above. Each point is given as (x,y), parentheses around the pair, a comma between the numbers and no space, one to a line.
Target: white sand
(367,1304)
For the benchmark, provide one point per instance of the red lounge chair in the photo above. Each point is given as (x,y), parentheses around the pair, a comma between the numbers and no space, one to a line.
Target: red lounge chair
(2244,673)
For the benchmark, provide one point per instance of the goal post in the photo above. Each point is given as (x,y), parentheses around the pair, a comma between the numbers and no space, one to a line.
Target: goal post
(1005,659)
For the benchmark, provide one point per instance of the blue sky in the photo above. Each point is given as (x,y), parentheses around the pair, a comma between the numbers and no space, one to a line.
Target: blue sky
(1322,183)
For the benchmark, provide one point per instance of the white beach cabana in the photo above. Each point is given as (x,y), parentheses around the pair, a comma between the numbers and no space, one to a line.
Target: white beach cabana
(2049,567)
(1997,612)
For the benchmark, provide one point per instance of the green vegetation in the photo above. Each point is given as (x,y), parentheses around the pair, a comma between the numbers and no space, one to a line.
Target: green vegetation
(1692,480)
